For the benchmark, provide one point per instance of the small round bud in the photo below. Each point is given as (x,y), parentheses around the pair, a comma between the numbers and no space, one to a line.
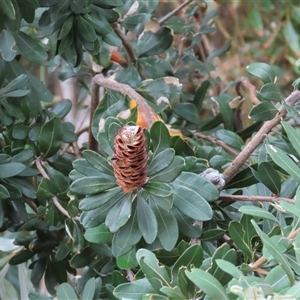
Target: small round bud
(215,177)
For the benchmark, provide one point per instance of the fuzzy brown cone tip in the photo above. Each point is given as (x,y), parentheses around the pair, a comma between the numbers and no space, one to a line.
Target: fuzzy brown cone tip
(130,159)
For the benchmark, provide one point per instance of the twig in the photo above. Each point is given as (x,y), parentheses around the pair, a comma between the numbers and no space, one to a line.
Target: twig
(255,198)
(82,130)
(125,89)
(76,150)
(127,45)
(249,86)
(216,142)
(129,275)
(173,12)
(54,199)
(259,137)
(31,204)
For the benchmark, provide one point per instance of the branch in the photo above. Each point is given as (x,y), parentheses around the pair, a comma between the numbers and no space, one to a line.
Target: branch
(127,45)
(255,198)
(54,199)
(259,137)
(173,12)
(249,86)
(125,89)
(216,142)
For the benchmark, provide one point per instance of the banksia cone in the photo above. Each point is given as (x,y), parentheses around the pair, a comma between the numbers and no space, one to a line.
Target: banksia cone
(130,159)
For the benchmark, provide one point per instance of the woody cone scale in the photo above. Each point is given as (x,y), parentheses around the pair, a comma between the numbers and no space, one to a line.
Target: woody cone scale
(130,158)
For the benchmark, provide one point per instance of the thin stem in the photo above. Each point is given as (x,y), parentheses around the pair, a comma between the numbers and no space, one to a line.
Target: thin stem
(259,137)
(125,89)
(249,86)
(54,199)
(255,198)
(216,142)
(95,95)
(174,12)
(127,45)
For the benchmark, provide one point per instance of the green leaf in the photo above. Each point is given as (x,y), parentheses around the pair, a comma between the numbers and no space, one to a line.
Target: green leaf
(153,43)
(292,208)
(146,220)
(187,111)
(167,227)
(160,137)
(86,30)
(98,235)
(278,279)
(173,292)
(8,9)
(212,234)
(192,256)
(262,71)
(263,111)
(89,289)
(292,37)
(127,236)
(4,194)
(158,189)
(92,185)
(119,214)
(229,268)
(66,292)
(278,256)
(74,230)
(47,189)
(95,201)
(257,212)
(199,185)
(11,169)
(208,283)
(37,296)
(133,290)
(30,48)
(220,51)
(293,135)
(171,172)
(135,23)
(284,161)
(7,42)
(191,203)
(149,65)
(237,233)
(269,177)
(230,138)
(226,111)
(200,94)
(50,137)
(157,275)
(98,162)
(127,260)
(294,290)
(271,92)
(161,161)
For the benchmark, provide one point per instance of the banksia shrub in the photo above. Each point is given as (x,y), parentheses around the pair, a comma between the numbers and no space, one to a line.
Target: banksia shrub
(130,159)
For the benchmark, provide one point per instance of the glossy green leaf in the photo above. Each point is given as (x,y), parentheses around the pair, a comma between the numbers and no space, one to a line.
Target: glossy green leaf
(95,201)
(187,111)
(158,189)
(193,256)
(30,48)
(47,189)
(98,162)
(50,138)
(157,274)
(127,236)
(200,94)
(278,256)
(127,260)
(170,173)
(11,169)
(146,220)
(271,92)
(89,289)
(191,203)
(238,233)
(278,279)
(66,292)
(208,283)
(230,138)
(149,65)
(213,234)
(8,9)
(262,71)
(92,185)
(173,292)
(161,161)
(165,203)
(226,111)
(293,135)
(263,111)
(257,212)
(134,290)
(160,137)
(284,161)
(269,177)
(86,29)
(119,214)
(135,23)
(7,42)
(74,230)
(167,232)
(229,268)
(4,194)
(199,185)
(98,235)
(83,258)
(243,178)
(153,43)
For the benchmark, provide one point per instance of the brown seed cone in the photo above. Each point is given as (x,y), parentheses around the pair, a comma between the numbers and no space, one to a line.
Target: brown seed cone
(130,159)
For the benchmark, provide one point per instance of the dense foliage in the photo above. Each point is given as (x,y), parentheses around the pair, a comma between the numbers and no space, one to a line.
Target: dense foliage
(217,214)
